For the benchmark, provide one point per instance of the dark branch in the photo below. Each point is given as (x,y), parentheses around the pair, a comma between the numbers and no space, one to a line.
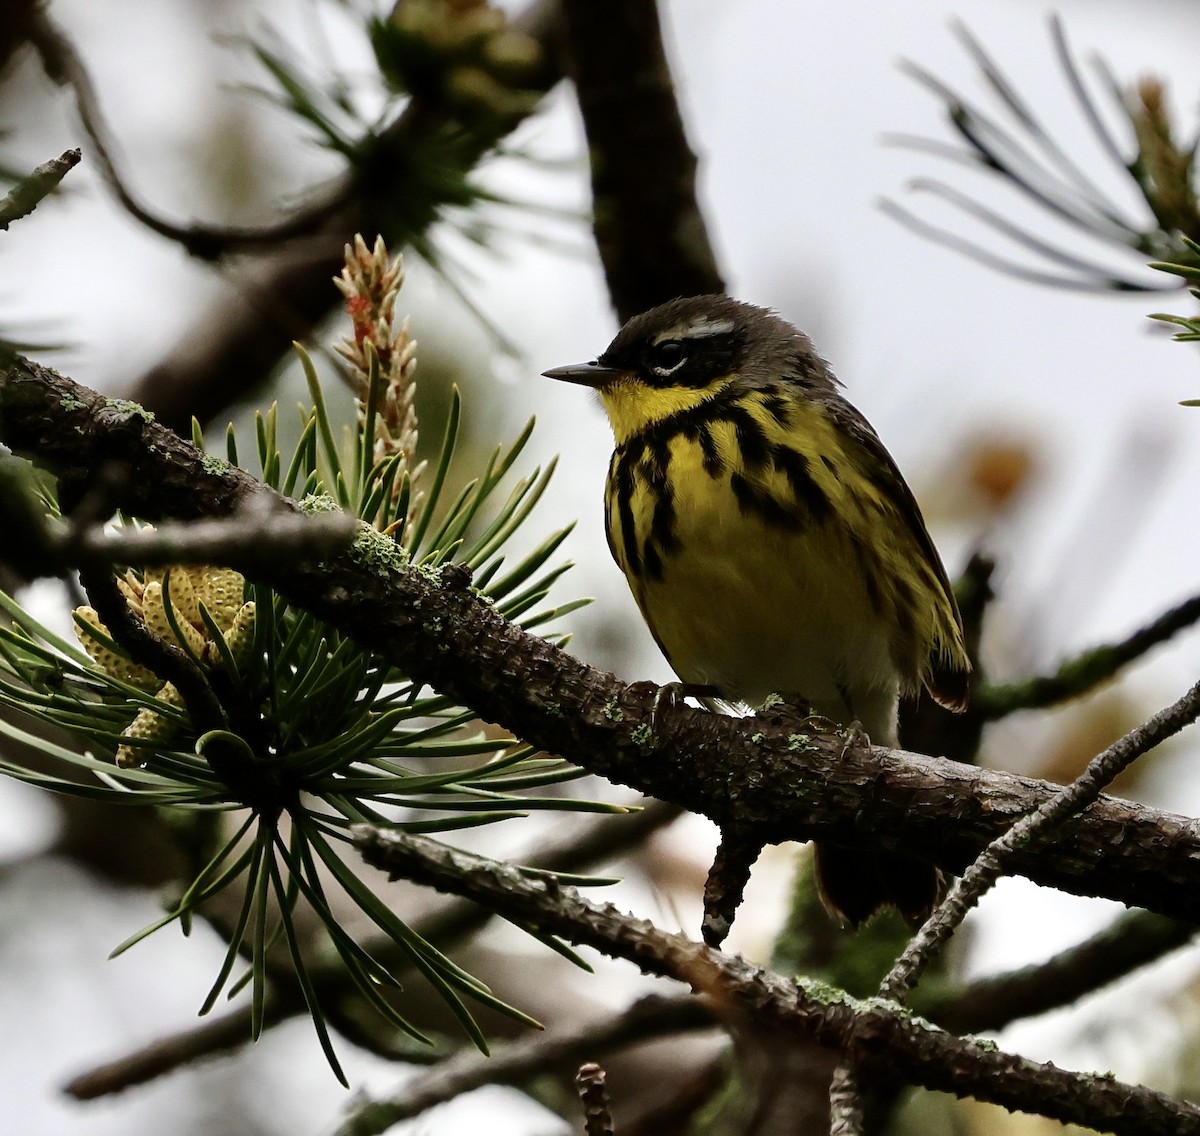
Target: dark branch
(1086,671)
(167,1054)
(760,773)
(23,198)
(237,341)
(521,1061)
(878,1035)
(593,842)
(648,226)
(1134,940)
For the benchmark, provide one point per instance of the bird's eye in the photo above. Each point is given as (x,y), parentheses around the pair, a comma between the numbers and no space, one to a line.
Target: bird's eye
(667,356)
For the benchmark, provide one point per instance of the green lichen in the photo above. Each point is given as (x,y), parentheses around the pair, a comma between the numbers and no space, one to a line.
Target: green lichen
(316,503)
(70,402)
(643,736)
(613,712)
(820,991)
(133,409)
(798,742)
(430,573)
(373,550)
(756,739)
(214,465)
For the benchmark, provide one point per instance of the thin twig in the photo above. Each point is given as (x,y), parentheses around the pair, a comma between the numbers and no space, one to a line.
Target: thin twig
(1033,829)
(1028,831)
(593,1095)
(592,842)
(166,1054)
(1086,671)
(23,198)
(235,343)
(879,1035)
(521,1061)
(63,65)
(256,536)
(1135,939)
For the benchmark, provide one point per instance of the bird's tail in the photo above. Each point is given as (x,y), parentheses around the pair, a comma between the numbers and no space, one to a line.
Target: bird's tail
(855,883)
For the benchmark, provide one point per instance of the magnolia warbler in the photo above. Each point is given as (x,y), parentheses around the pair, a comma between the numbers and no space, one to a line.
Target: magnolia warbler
(771,543)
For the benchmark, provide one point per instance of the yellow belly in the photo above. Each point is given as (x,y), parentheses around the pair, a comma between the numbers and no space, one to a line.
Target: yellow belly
(753,607)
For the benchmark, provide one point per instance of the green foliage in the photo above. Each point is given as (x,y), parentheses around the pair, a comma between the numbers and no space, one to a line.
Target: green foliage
(1187,267)
(321,735)
(1004,138)
(452,82)
(461,58)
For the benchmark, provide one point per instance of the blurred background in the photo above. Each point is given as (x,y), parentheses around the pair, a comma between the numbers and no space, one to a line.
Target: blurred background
(1037,424)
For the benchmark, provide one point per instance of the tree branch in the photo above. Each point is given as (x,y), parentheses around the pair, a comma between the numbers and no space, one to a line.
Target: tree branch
(23,198)
(760,773)
(1136,939)
(648,226)
(1084,672)
(284,293)
(522,1061)
(592,842)
(1030,833)
(39,545)
(63,65)
(876,1034)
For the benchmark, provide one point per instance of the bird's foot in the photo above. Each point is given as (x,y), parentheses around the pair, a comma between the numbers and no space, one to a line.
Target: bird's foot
(671,695)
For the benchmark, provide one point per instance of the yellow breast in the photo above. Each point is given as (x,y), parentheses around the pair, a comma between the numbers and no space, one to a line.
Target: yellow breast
(763,560)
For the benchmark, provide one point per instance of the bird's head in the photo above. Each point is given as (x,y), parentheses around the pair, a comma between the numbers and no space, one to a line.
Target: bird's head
(685,352)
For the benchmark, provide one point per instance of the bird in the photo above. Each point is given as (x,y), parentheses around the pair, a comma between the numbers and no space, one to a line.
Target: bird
(772,545)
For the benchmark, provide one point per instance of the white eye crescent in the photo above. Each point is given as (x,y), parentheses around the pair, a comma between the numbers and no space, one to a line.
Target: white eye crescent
(667,357)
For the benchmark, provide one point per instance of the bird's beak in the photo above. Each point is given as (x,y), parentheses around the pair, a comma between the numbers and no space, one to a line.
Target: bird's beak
(586,374)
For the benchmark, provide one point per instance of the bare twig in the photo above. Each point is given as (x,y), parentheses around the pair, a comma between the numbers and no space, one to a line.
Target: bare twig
(521,1061)
(1028,831)
(63,65)
(593,1095)
(259,533)
(991,863)
(1086,671)
(164,1055)
(877,1034)
(23,198)
(1135,939)
(235,343)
